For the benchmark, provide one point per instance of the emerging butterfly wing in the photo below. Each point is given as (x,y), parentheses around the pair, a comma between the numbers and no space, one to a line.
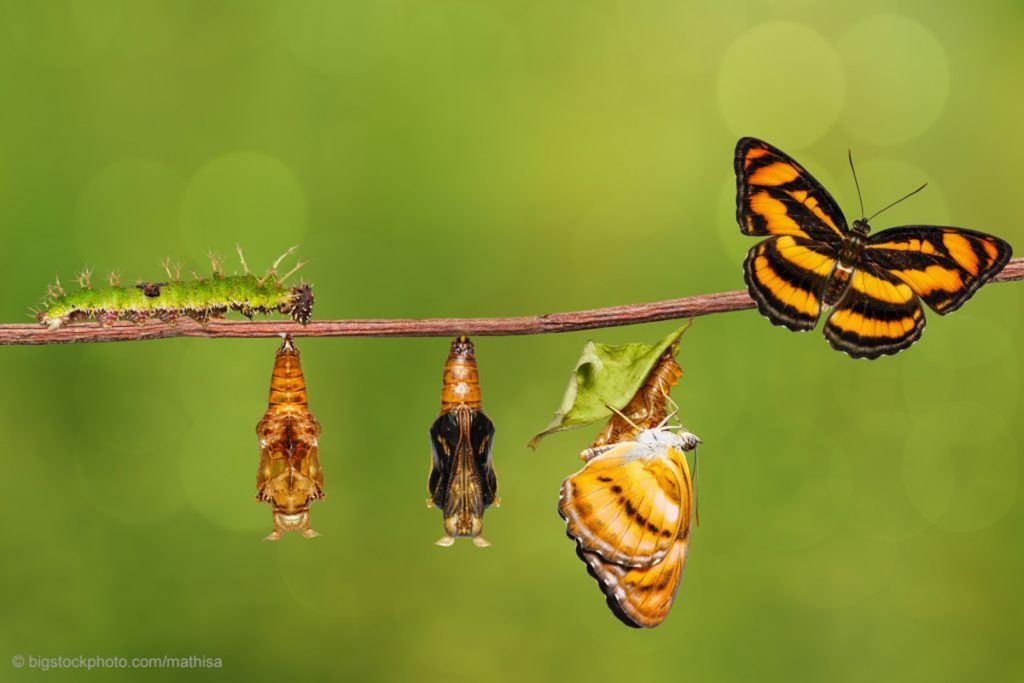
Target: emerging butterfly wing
(625,507)
(879,315)
(641,597)
(776,196)
(451,449)
(944,266)
(786,276)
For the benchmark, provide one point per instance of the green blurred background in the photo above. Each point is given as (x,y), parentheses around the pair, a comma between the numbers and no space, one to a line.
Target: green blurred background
(861,520)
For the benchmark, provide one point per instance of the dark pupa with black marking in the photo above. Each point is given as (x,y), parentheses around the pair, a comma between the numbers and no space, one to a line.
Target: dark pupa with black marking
(462,482)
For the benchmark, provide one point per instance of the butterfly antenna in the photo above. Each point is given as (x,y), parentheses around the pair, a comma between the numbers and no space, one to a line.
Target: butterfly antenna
(696,491)
(860,197)
(623,416)
(661,425)
(906,196)
(671,404)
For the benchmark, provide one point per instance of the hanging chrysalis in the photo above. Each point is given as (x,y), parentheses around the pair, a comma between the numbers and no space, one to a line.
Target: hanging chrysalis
(630,508)
(462,482)
(289,477)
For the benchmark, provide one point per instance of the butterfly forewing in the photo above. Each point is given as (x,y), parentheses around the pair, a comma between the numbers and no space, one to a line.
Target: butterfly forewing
(786,276)
(879,315)
(627,508)
(944,266)
(777,196)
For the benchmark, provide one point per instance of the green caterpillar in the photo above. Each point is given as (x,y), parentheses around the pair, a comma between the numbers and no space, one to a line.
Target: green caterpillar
(200,299)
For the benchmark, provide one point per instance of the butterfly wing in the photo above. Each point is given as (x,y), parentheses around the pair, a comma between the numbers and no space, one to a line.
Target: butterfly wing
(625,507)
(641,596)
(944,266)
(776,196)
(448,446)
(879,315)
(481,432)
(785,276)
(444,439)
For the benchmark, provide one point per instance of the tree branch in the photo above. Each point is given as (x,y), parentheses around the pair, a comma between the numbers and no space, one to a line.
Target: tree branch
(613,316)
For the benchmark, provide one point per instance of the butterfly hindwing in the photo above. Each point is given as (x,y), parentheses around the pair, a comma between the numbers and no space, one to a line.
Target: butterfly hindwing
(786,275)
(944,266)
(625,506)
(879,315)
(640,597)
(777,196)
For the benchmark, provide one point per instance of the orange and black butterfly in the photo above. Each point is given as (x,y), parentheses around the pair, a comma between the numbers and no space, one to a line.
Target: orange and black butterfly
(813,262)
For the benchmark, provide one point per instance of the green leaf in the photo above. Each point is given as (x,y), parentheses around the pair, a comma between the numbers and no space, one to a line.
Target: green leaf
(606,375)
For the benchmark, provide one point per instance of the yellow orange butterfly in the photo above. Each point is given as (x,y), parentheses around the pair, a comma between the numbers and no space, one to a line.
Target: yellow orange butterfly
(629,510)
(813,263)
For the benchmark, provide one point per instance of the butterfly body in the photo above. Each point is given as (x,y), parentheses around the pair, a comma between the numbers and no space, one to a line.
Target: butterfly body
(629,510)
(871,286)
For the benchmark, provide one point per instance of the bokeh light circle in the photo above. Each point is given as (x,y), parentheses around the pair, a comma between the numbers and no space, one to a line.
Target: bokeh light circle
(781,80)
(224,394)
(884,180)
(898,79)
(218,476)
(130,426)
(960,466)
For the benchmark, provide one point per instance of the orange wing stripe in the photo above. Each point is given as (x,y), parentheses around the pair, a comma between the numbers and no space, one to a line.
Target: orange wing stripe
(921,247)
(800,299)
(960,249)
(864,326)
(775,213)
(883,290)
(931,279)
(775,174)
(753,154)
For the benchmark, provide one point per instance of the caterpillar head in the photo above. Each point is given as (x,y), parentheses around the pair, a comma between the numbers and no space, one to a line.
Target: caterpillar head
(301,304)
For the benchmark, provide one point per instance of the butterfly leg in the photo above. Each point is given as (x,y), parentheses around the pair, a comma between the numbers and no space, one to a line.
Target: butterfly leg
(588,454)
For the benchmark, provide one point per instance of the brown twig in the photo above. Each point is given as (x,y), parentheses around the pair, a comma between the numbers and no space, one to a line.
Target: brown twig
(613,316)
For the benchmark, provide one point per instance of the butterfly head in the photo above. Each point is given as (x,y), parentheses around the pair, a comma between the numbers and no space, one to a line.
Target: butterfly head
(680,440)
(860,227)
